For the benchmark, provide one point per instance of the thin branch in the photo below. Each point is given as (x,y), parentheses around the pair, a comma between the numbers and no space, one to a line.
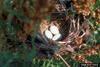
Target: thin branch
(62,59)
(78,25)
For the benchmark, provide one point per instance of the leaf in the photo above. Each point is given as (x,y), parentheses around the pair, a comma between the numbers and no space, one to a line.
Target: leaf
(21,16)
(94,58)
(7,4)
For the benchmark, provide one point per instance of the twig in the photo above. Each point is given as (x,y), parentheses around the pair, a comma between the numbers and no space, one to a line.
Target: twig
(62,59)
(83,33)
(78,25)
(73,21)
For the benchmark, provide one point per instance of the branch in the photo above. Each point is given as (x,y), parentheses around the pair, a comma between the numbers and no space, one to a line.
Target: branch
(62,59)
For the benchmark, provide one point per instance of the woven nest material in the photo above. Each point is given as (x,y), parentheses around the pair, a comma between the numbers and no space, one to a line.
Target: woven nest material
(73,33)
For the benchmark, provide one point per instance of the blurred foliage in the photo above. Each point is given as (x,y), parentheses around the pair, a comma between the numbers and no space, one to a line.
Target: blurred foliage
(20,19)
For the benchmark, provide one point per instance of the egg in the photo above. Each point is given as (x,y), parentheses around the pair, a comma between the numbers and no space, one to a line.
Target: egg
(56,37)
(54,29)
(48,34)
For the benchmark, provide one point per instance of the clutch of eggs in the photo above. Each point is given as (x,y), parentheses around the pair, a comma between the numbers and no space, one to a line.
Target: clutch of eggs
(52,33)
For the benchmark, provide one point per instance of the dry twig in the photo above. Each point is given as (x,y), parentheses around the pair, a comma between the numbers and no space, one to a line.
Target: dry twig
(62,59)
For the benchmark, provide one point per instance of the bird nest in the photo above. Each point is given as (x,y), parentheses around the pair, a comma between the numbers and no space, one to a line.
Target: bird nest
(65,35)
(61,36)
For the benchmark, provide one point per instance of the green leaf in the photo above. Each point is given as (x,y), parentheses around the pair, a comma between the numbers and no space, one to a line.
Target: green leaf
(7,4)
(94,58)
(21,16)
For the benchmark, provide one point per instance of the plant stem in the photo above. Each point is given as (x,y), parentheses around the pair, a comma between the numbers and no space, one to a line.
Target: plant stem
(62,59)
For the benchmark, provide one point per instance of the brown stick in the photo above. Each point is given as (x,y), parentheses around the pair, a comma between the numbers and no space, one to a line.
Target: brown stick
(62,59)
